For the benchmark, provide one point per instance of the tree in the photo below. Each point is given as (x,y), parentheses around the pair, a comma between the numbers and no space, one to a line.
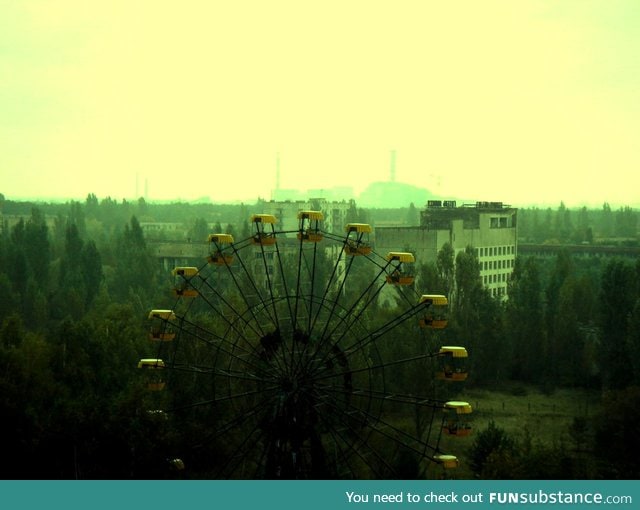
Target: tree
(616,439)
(91,269)
(524,321)
(488,444)
(468,288)
(413,216)
(136,268)
(446,268)
(561,271)
(618,296)
(7,300)
(199,231)
(607,221)
(36,246)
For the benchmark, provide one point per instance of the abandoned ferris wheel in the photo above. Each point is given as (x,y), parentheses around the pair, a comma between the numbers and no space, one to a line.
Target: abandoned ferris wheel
(277,359)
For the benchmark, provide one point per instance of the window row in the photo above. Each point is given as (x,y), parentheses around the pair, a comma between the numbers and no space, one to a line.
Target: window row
(499,291)
(495,251)
(495,278)
(489,265)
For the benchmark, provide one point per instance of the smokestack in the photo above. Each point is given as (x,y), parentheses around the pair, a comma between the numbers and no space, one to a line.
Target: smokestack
(278,171)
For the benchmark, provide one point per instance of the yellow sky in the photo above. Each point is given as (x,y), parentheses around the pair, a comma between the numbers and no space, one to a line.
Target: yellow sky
(520,101)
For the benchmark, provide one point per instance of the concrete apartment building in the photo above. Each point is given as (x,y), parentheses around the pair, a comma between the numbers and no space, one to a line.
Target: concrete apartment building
(286,213)
(489,227)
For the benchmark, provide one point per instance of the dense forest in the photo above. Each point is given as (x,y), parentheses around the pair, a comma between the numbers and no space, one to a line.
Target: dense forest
(77,281)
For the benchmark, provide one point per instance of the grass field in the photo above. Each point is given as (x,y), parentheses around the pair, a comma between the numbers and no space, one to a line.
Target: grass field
(523,412)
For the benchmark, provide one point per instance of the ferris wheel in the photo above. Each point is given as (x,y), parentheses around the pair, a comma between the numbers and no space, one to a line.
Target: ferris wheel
(304,354)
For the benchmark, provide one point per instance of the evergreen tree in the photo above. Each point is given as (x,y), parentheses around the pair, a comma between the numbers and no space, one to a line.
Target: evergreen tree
(36,247)
(524,321)
(136,268)
(91,269)
(468,289)
(445,266)
(199,231)
(618,296)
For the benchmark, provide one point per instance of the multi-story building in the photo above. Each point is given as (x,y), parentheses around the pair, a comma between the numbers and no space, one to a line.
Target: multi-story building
(489,227)
(286,212)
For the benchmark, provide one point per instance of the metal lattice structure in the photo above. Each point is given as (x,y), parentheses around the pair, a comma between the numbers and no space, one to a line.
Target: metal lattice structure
(304,354)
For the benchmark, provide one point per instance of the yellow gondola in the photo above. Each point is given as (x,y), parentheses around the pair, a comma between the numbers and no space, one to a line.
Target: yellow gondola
(453,363)
(399,275)
(217,244)
(182,286)
(309,226)
(155,381)
(447,461)
(359,244)
(436,313)
(453,424)
(262,236)
(161,329)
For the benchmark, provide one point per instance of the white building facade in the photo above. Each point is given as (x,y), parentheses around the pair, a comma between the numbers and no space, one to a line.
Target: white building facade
(489,227)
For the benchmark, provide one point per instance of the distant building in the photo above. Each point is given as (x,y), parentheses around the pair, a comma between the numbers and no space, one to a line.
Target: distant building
(286,212)
(391,194)
(489,227)
(281,195)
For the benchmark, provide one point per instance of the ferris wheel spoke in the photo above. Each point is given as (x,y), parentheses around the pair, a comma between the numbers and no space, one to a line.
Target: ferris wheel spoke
(236,422)
(312,287)
(375,335)
(332,351)
(246,341)
(374,421)
(298,281)
(226,302)
(354,443)
(346,447)
(231,374)
(221,343)
(251,283)
(354,318)
(330,283)
(284,282)
(384,365)
(401,398)
(324,337)
(224,398)
(240,453)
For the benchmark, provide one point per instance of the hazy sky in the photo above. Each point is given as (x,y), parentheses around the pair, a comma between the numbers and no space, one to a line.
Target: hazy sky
(519,101)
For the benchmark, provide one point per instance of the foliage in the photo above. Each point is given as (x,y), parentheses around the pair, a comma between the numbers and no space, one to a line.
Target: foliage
(77,279)
(491,447)
(617,435)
